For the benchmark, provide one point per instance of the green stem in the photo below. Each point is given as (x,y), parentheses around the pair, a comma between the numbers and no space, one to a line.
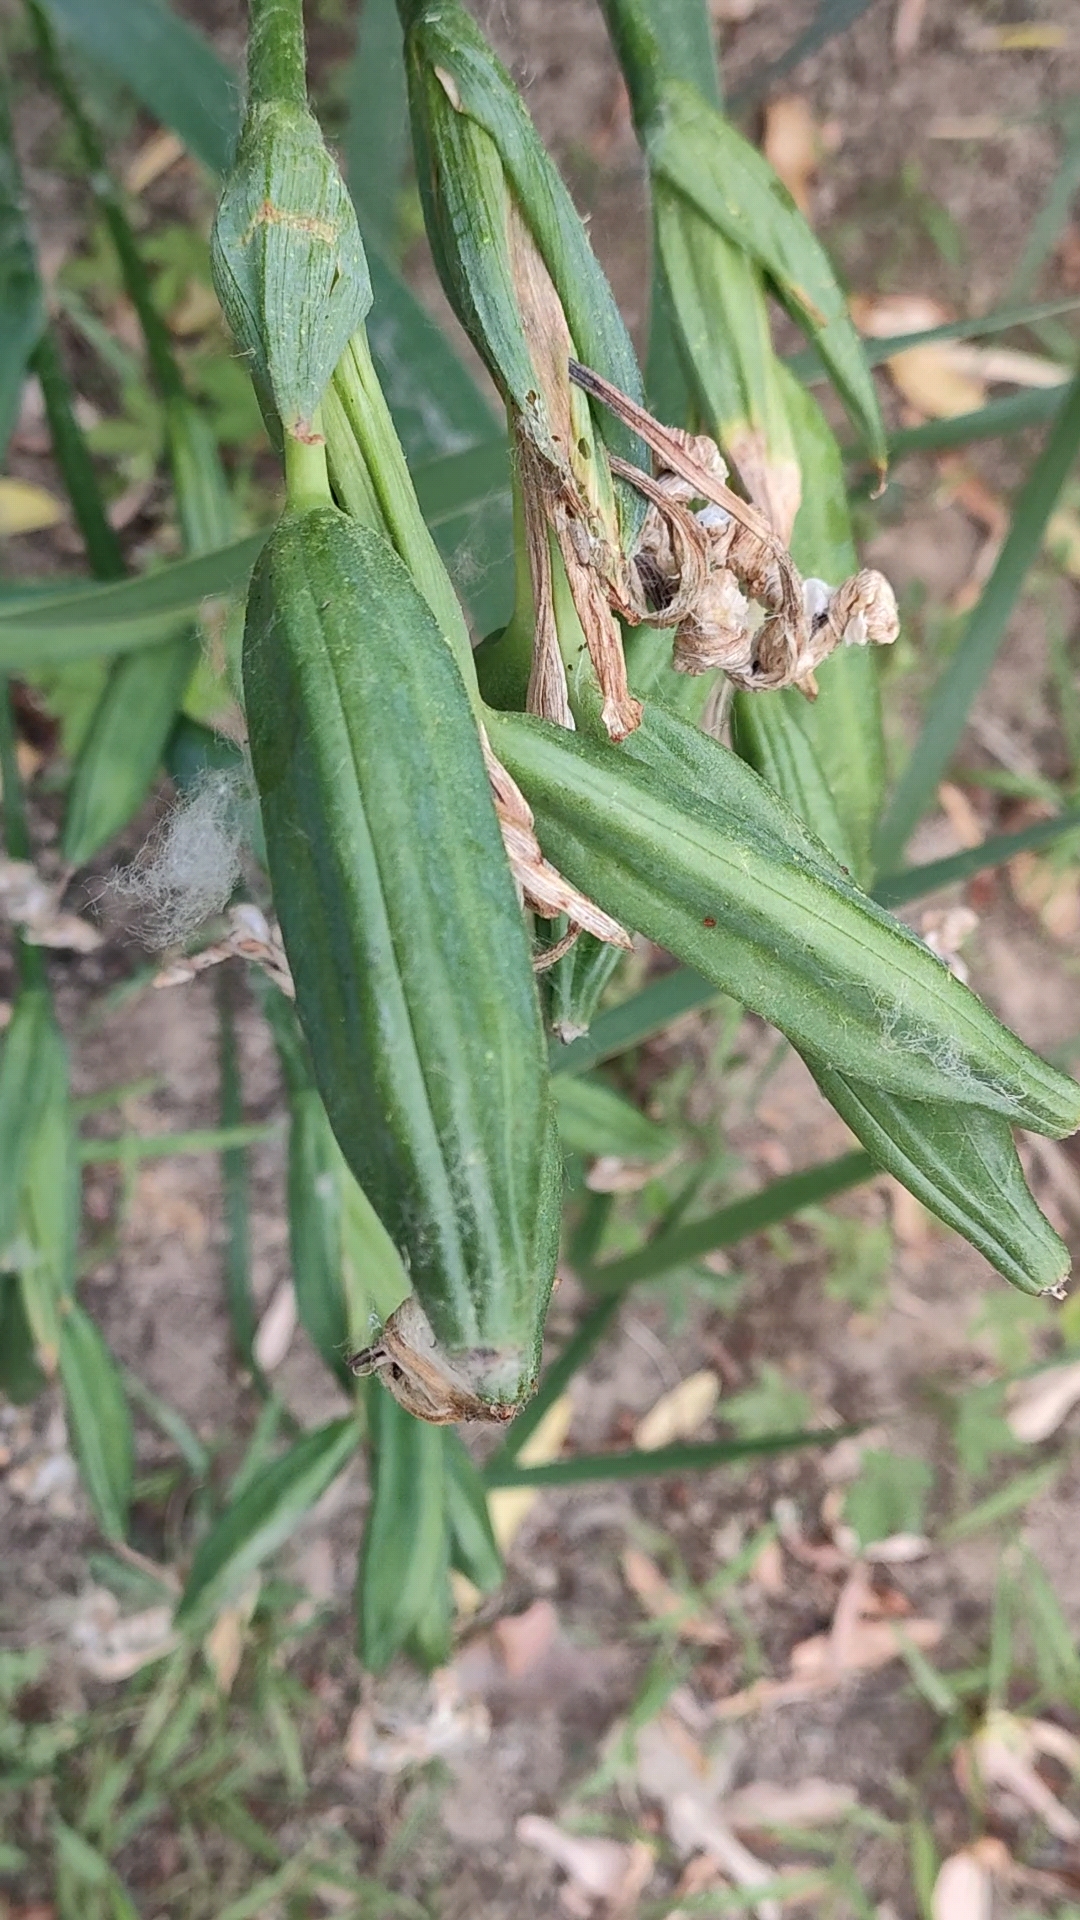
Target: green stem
(307,483)
(362,423)
(660,40)
(103,549)
(277,65)
(31,962)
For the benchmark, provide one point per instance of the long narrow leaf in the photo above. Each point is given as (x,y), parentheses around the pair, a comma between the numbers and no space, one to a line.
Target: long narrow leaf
(655,1465)
(806,364)
(21,301)
(99,1419)
(914,883)
(262,1519)
(166,64)
(701,156)
(832,17)
(993,422)
(377,131)
(405,1536)
(951,700)
(731,1223)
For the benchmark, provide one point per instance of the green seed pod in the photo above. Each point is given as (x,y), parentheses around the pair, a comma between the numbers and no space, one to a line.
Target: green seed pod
(287,260)
(513,254)
(409,952)
(695,851)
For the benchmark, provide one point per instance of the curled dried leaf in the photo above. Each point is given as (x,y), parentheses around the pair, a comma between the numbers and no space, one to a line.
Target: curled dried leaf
(542,887)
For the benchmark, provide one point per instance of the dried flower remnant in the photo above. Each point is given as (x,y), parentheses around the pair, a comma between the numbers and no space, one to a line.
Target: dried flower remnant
(739,563)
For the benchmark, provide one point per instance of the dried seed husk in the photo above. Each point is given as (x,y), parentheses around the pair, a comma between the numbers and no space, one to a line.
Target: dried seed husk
(410,955)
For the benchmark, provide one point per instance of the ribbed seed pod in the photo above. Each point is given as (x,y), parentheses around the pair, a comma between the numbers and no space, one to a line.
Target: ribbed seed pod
(409,952)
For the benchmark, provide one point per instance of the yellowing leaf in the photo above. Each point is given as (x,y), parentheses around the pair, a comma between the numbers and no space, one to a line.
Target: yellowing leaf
(27,508)
(678,1414)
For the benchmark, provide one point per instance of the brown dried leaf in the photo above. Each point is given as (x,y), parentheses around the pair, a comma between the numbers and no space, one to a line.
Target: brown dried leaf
(32,905)
(543,887)
(111,1646)
(154,158)
(935,381)
(1038,1406)
(810,1803)
(224,1644)
(599,1867)
(1001,1757)
(525,1639)
(964,1888)
(792,145)
(273,1337)
(1049,892)
(961,815)
(27,508)
(678,1414)
(660,1600)
(907,26)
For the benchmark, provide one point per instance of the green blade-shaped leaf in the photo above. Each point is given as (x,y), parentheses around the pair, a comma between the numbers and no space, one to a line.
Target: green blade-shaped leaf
(951,700)
(21,300)
(767,736)
(21,1378)
(963,1166)
(807,367)
(115,618)
(474,1550)
(729,1224)
(700,155)
(654,1466)
(270,1508)
(683,841)
(376,140)
(437,406)
(843,724)
(166,64)
(404,1550)
(239,1296)
(914,883)
(830,18)
(123,747)
(594,1119)
(315,1231)
(992,422)
(98,1416)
